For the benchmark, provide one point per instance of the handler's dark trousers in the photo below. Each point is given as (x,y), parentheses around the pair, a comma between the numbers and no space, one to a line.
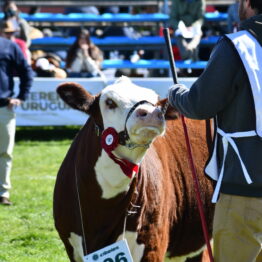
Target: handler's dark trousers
(237,230)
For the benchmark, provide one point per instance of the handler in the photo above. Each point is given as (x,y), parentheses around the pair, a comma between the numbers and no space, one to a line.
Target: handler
(230,89)
(11,61)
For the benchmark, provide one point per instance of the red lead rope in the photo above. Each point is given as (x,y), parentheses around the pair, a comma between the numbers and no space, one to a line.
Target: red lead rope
(197,190)
(190,156)
(127,167)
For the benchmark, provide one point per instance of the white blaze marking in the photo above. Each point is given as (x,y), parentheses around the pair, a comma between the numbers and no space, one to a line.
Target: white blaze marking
(137,250)
(76,242)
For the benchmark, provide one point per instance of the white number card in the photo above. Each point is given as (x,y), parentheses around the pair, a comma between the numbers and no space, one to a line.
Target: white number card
(117,252)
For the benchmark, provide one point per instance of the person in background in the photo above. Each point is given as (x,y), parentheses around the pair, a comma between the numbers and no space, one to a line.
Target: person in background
(93,10)
(83,58)
(8,31)
(23,29)
(233,17)
(11,59)
(186,20)
(230,90)
(48,65)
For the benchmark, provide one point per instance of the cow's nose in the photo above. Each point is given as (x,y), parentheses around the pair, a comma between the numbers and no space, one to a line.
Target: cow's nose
(158,114)
(141,113)
(144,114)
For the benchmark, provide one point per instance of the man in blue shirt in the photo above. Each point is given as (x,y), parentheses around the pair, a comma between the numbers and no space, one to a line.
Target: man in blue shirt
(12,62)
(230,90)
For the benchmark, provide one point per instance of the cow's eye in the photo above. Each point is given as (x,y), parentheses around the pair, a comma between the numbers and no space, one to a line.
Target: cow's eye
(111,104)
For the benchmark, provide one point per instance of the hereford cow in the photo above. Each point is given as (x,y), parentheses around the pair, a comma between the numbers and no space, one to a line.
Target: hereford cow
(127,172)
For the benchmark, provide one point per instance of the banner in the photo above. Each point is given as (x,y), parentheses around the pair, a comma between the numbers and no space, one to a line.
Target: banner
(44,107)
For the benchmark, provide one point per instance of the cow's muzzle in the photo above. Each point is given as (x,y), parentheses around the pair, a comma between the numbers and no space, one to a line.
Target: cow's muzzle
(122,137)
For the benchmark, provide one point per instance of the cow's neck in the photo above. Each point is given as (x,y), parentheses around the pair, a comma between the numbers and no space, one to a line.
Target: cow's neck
(110,176)
(133,155)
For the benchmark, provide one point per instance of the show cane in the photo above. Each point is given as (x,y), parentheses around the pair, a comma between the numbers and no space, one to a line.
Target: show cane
(190,155)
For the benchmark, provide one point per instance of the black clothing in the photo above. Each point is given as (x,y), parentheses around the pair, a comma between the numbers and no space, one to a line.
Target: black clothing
(223,90)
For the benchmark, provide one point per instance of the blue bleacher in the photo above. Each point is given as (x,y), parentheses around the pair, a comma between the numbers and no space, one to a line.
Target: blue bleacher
(152,64)
(216,16)
(81,17)
(157,42)
(112,18)
(122,42)
(147,42)
(149,64)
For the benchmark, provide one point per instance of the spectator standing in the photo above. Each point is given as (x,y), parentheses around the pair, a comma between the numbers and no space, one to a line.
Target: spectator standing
(11,58)
(230,89)
(186,19)
(23,29)
(8,31)
(84,57)
(82,9)
(233,17)
(93,10)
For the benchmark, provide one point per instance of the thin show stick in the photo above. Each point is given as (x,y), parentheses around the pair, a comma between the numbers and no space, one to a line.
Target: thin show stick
(190,155)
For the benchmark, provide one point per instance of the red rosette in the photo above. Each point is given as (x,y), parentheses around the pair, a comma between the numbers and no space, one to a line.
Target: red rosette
(109,139)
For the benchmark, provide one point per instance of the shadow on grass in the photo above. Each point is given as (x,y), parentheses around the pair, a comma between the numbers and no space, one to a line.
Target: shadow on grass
(46,133)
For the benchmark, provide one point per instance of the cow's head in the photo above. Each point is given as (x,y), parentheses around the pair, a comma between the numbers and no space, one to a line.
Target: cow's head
(133,113)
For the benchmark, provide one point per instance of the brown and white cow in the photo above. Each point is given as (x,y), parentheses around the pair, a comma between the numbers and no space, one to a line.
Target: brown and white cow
(96,187)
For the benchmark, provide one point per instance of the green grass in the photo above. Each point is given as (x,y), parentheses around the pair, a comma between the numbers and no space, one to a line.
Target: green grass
(27,232)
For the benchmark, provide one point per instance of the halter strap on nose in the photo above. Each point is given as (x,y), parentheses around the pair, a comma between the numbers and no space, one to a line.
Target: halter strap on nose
(123,135)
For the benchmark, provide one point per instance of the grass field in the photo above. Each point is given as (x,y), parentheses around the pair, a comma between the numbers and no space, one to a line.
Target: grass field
(27,232)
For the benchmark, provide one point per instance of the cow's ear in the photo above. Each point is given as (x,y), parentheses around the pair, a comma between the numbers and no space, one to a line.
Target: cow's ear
(75,96)
(171,112)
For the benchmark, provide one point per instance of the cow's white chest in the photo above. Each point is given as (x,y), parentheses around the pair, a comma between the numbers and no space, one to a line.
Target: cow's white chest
(110,177)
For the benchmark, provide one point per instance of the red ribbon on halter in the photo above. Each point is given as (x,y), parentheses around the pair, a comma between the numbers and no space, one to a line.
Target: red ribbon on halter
(109,141)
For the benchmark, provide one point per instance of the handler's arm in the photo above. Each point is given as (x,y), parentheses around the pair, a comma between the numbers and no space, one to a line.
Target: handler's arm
(214,89)
(24,72)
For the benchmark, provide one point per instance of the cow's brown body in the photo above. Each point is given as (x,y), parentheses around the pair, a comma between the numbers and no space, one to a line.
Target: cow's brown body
(167,219)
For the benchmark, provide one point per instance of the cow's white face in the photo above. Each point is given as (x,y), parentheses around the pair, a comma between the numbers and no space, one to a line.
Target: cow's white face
(144,124)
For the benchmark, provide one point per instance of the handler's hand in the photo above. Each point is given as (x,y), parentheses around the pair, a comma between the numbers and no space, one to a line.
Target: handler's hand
(172,92)
(13,102)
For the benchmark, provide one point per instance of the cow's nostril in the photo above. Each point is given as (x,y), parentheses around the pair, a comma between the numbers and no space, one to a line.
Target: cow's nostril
(160,115)
(141,113)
